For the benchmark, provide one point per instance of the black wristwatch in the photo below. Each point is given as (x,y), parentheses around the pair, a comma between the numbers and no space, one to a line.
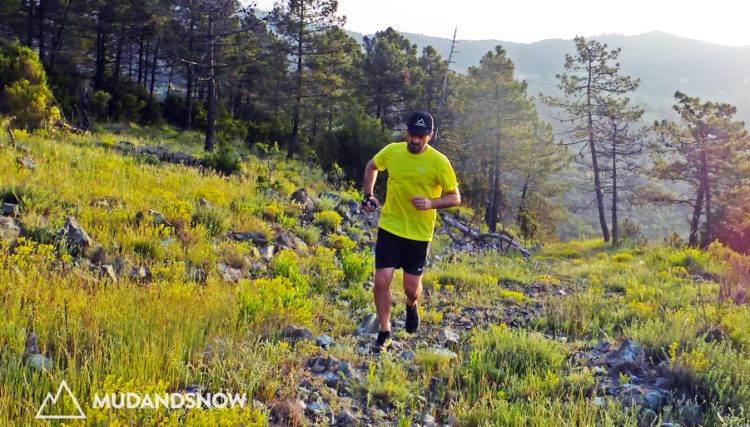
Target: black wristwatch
(367,200)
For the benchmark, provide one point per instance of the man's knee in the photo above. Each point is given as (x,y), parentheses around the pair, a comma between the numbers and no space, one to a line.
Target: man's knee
(383,278)
(412,285)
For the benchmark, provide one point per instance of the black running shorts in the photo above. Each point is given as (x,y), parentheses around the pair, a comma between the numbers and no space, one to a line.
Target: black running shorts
(397,252)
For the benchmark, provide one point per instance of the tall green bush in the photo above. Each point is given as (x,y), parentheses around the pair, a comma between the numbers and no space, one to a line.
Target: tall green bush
(23,85)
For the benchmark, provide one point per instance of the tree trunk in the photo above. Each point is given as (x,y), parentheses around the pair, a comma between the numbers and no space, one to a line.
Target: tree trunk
(115,80)
(189,99)
(189,93)
(100,57)
(211,113)
(496,199)
(145,64)
(697,212)
(522,201)
(41,30)
(708,236)
(57,38)
(615,230)
(30,23)
(594,161)
(488,211)
(130,60)
(294,137)
(153,69)
(140,58)
(169,80)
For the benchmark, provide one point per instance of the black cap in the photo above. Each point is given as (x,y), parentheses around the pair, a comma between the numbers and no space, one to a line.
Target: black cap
(420,123)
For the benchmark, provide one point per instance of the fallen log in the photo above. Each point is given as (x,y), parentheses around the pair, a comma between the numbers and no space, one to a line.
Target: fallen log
(501,241)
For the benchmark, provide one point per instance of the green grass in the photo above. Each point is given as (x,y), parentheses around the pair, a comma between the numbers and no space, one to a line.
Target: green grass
(173,330)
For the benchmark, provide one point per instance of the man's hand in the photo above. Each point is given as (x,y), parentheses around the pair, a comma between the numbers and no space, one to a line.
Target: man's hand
(422,203)
(369,204)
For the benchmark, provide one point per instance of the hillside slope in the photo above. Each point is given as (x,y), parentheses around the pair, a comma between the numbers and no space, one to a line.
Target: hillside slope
(190,281)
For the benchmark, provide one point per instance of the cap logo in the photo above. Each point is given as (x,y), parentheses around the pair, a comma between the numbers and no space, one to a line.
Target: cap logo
(420,123)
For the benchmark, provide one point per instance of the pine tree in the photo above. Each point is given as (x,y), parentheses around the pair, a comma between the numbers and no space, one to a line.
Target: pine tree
(590,79)
(710,152)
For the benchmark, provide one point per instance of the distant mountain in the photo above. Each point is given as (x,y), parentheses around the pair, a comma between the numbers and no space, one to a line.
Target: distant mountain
(664,63)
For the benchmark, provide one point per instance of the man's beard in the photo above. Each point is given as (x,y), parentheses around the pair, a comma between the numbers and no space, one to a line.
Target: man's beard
(414,148)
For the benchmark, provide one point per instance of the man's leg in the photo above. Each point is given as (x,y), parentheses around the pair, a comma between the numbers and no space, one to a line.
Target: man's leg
(382,291)
(412,288)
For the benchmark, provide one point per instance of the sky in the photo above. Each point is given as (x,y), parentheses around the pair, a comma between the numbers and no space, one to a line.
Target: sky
(525,21)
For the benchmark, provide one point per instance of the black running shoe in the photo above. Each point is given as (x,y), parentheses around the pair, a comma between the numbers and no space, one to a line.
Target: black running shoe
(412,319)
(383,342)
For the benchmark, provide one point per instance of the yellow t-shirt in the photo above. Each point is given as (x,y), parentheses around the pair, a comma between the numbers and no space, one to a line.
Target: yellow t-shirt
(425,174)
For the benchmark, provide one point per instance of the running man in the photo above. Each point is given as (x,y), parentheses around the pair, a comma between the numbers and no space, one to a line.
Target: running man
(420,180)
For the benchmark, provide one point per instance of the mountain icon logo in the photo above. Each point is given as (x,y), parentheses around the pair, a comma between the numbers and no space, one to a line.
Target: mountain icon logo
(53,400)
(420,123)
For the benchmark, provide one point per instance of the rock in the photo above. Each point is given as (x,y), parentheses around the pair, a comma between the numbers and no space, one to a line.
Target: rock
(284,241)
(351,205)
(98,256)
(369,325)
(428,420)
(249,236)
(270,193)
(10,209)
(140,273)
(330,379)
(10,229)
(101,203)
(26,162)
(347,419)
(294,334)
(443,352)
(108,271)
(320,365)
(31,345)
(692,415)
(449,338)
(317,408)
(335,197)
(267,252)
(230,274)
(662,383)
(204,202)
(196,274)
(323,341)
(628,358)
(195,388)
(368,286)
(38,361)
(408,355)
(157,217)
(655,399)
(599,401)
(301,197)
(599,370)
(76,239)
(32,356)
(602,347)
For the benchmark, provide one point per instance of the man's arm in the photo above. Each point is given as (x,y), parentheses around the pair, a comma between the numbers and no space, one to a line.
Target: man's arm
(448,200)
(371,174)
